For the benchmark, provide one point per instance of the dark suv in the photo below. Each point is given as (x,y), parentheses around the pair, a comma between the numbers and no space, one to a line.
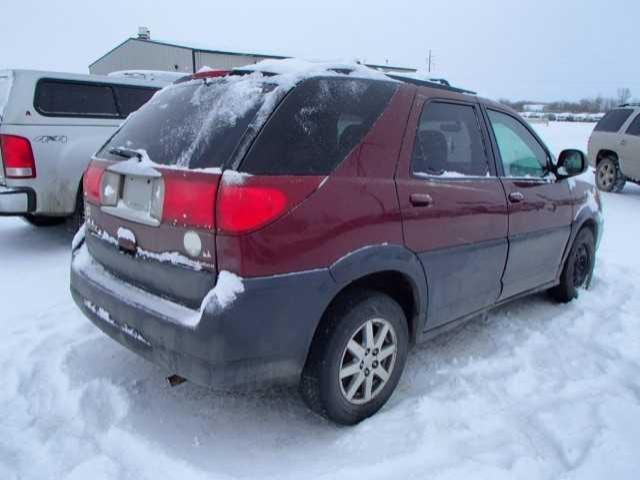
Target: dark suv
(262,227)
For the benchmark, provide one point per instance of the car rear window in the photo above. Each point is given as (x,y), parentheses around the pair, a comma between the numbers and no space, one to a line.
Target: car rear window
(613,121)
(197,124)
(634,128)
(77,99)
(131,99)
(317,125)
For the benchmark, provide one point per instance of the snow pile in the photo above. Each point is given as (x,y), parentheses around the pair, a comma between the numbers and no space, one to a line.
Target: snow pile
(227,289)
(126,235)
(536,391)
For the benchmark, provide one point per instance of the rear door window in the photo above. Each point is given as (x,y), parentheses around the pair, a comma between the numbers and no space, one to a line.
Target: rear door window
(131,99)
(75,99)
(449,142)
(317,125)
(634,128)
(522,155)
(613,121)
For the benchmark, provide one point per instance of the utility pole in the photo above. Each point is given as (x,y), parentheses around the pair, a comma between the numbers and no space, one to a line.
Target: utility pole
(429,62)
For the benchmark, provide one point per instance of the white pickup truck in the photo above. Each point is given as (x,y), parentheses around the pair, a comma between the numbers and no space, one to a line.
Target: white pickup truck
(50,126)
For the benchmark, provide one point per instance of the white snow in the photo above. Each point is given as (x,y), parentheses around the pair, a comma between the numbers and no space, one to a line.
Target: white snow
(126,234)
(536,391)
(227,289)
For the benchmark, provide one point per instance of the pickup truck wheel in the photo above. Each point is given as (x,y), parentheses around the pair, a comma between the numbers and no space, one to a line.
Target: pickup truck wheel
(357,357)
(42,221)
(609,178)
(578,267)
(75,221)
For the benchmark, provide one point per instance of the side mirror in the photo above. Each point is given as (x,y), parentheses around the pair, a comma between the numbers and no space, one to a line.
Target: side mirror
(571,163)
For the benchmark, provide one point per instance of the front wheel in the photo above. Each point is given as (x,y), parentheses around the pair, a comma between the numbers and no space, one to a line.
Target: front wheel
(578,267)
(609,178)
(357,357)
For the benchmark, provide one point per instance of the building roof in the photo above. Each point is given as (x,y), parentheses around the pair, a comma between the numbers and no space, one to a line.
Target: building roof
(226,52)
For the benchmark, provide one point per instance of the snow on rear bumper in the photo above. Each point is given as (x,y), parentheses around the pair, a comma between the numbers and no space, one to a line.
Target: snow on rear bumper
(260,337)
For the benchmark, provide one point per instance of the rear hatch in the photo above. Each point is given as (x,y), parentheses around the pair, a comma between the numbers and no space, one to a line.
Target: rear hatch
(151,190)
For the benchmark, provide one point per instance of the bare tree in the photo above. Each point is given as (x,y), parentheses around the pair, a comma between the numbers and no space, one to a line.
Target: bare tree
(624,95)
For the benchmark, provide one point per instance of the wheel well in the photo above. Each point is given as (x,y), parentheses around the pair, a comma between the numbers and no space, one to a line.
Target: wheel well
(591,225)
(393,283)
(602,154)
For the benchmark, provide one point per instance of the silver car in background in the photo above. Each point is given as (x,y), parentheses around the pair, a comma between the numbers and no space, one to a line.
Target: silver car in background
(50,126)
(614,148)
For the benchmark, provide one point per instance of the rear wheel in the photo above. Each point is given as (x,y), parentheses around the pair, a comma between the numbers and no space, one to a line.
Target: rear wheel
(609,178)
(42,221)
(578,268)
(357,357)
(75,221)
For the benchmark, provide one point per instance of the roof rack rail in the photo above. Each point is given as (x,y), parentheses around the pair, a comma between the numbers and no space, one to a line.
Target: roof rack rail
(440,83)
(630,104)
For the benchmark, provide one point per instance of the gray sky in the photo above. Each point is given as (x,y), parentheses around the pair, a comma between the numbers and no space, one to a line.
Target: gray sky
(539,50)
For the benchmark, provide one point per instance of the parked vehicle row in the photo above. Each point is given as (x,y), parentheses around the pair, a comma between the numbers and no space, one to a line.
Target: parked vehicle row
(50,125)
(614,148)
(270,226)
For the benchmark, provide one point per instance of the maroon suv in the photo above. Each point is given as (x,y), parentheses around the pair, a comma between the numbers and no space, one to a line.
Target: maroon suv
(264,226)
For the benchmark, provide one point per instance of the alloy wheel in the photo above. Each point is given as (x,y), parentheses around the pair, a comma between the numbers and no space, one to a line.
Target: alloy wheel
(367,361)
(581,266)
(606,175)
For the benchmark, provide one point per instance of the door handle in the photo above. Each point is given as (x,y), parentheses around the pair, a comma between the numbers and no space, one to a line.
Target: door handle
(420,199)
(516,197)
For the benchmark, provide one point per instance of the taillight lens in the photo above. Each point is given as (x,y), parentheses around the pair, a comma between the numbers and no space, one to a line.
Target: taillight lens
(109,188)
(17,157)
(92,182)
(189,199)
(243,208)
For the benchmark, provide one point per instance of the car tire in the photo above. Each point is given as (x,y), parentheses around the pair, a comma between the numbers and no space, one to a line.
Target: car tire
(578,267)
(609,177)
(346,377)
(42,221)
(75,221)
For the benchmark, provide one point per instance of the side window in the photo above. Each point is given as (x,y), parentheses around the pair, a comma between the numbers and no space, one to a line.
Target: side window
(613,121)
(634,128)
(522,155)
(131,99)
(449,142)
(72,99)
(316,126)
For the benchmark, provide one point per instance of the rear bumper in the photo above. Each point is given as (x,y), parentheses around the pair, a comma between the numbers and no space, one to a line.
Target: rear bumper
(260,338)
(17,201)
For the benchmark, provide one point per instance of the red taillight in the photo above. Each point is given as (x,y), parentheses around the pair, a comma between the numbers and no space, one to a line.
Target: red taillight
(243,208)
(190,199)
(17,157)
(91,182)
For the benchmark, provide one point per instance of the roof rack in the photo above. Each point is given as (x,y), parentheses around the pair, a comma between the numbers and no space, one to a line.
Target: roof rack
(632,104)
(440,83)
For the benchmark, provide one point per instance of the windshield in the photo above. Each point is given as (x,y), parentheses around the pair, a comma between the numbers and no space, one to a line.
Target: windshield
(6,79)
(195,125)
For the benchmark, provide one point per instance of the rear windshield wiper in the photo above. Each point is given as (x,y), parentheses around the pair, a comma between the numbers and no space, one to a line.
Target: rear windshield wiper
(126,152)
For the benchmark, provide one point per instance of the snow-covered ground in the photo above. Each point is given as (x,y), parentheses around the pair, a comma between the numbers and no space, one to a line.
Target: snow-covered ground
(537,391)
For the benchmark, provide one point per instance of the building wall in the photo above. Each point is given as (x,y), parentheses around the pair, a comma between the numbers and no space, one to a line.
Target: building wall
(224,62)
(144,56)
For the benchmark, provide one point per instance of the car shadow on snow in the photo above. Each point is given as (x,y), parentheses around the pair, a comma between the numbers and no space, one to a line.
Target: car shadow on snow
(25,239)
(189,420)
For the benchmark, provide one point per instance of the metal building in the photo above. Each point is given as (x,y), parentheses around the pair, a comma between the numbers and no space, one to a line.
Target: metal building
(143,53)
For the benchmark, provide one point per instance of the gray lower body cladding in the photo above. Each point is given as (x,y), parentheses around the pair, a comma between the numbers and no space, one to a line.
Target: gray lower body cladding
(260,338)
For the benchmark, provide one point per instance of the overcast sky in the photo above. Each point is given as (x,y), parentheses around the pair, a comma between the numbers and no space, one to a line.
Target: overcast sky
(538,50)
